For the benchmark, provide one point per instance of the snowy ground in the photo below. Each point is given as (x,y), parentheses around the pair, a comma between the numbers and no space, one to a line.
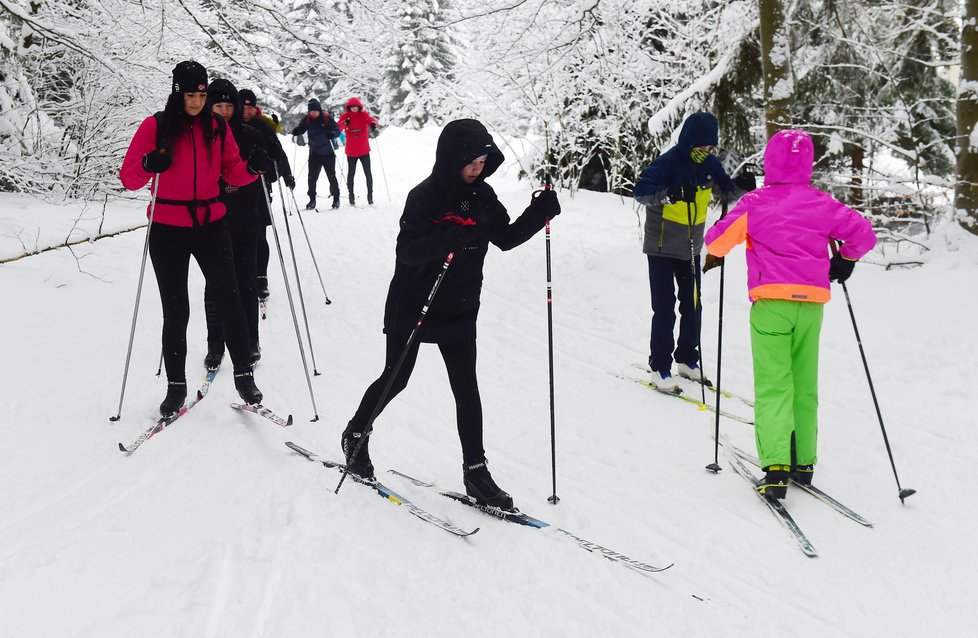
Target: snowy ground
(214,528)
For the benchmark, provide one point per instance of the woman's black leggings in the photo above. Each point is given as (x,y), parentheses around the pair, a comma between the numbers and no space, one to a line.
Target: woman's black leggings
(351,165)
(170,248)
(460,362)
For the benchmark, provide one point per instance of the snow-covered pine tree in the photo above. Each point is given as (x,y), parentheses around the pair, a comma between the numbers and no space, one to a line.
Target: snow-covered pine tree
(417,58)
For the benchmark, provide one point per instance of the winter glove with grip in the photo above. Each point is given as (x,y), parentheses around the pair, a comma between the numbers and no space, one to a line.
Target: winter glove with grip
(840,268)
(545,203)
(258,162)
(289,181)
(712,261)
(156,162)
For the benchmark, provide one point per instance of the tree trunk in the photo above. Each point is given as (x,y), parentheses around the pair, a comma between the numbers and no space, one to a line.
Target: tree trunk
(775,63)
(966,188)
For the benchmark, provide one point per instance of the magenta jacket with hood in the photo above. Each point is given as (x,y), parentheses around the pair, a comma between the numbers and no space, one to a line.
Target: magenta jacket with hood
(356,126)
(787,225)
(193,175)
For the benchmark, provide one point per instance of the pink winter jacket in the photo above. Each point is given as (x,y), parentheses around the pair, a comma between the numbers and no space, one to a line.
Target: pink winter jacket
(193,174)
(787,225)
(356,126)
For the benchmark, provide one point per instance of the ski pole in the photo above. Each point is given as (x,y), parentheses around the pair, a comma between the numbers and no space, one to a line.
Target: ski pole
(139,290)
(288,291)
(715,465)
(553,499)
(903,493)
(368,427)
(159,368)
(383,174)
(298,285)
(309,243)
(696,300)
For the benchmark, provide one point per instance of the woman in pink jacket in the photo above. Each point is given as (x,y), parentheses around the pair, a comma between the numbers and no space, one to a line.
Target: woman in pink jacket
(357,123)
(788,225)
(186,150)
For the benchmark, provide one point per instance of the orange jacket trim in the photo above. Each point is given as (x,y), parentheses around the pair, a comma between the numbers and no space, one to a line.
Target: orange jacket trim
(791,292)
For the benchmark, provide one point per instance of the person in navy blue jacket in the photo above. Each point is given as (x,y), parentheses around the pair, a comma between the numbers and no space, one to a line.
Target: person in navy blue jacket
(676,190)
(322,128)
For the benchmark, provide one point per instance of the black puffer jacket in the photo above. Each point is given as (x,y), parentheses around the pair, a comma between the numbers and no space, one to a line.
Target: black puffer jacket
(422,246)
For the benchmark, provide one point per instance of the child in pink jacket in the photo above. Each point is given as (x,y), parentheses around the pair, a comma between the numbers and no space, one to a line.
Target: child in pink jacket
(788,225)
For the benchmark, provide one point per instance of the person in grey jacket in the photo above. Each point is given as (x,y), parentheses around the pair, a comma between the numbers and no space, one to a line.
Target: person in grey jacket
(676,190)
(322,128)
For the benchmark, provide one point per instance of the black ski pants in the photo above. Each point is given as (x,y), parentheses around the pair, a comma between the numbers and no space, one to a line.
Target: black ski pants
(263,252)
(351,164)
(327,162)
(170,248)
(459,360)
(245,251)
(666,275)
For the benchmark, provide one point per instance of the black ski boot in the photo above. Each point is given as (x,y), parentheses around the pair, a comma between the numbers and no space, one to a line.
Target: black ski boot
(176,394)
(353,200)
(803,474)
(775,481)
(244,383)
(262,282)
(215,354)
(312,203)
(361,465)
(336,201)
(370,198)
(480,486)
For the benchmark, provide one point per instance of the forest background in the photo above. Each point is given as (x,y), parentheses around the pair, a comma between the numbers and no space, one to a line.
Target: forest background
(887,88)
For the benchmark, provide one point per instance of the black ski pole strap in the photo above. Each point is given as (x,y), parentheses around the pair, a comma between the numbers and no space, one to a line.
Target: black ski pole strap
(192,206)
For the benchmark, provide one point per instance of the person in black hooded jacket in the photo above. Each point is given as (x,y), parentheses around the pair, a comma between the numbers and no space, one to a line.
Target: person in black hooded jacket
(244,205)
(453,210)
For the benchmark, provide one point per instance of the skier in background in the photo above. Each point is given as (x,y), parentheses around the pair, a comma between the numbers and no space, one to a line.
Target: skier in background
(190,150)
(787,225)
(322,130)
(243,204)
(252,115)
(676,190)
(356,122)
(452,210)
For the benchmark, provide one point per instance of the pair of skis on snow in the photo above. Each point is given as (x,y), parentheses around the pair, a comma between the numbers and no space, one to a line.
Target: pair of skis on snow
(165,421)
(691,400)
(737,457)
(512,516)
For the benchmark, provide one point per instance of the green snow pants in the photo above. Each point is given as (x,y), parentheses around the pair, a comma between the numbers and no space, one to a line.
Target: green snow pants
(784,342)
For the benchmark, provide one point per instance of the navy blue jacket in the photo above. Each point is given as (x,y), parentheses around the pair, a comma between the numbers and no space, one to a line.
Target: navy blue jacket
(670,222)
(322,130)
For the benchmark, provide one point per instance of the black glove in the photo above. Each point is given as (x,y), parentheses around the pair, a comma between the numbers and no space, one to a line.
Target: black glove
(289,181)
(156,162)
(746,182)
(674,195)
(689,193)
(545,203)
(346,121)
(711,262)
(840,268)
(295,132)
(258,161)
(373,126)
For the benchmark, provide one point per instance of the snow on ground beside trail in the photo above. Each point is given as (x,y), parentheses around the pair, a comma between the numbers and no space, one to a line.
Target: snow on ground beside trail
(214,528)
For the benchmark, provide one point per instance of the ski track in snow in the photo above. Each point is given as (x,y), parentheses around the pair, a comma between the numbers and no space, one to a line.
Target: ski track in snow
(214,528)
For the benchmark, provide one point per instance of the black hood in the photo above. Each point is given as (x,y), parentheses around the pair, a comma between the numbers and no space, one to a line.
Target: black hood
(461,142)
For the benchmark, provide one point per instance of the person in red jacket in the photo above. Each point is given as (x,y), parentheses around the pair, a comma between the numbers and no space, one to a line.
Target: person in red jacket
(356,122)
(186,150)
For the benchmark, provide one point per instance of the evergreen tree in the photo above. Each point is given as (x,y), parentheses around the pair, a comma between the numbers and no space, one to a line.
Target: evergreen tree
(418,58)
